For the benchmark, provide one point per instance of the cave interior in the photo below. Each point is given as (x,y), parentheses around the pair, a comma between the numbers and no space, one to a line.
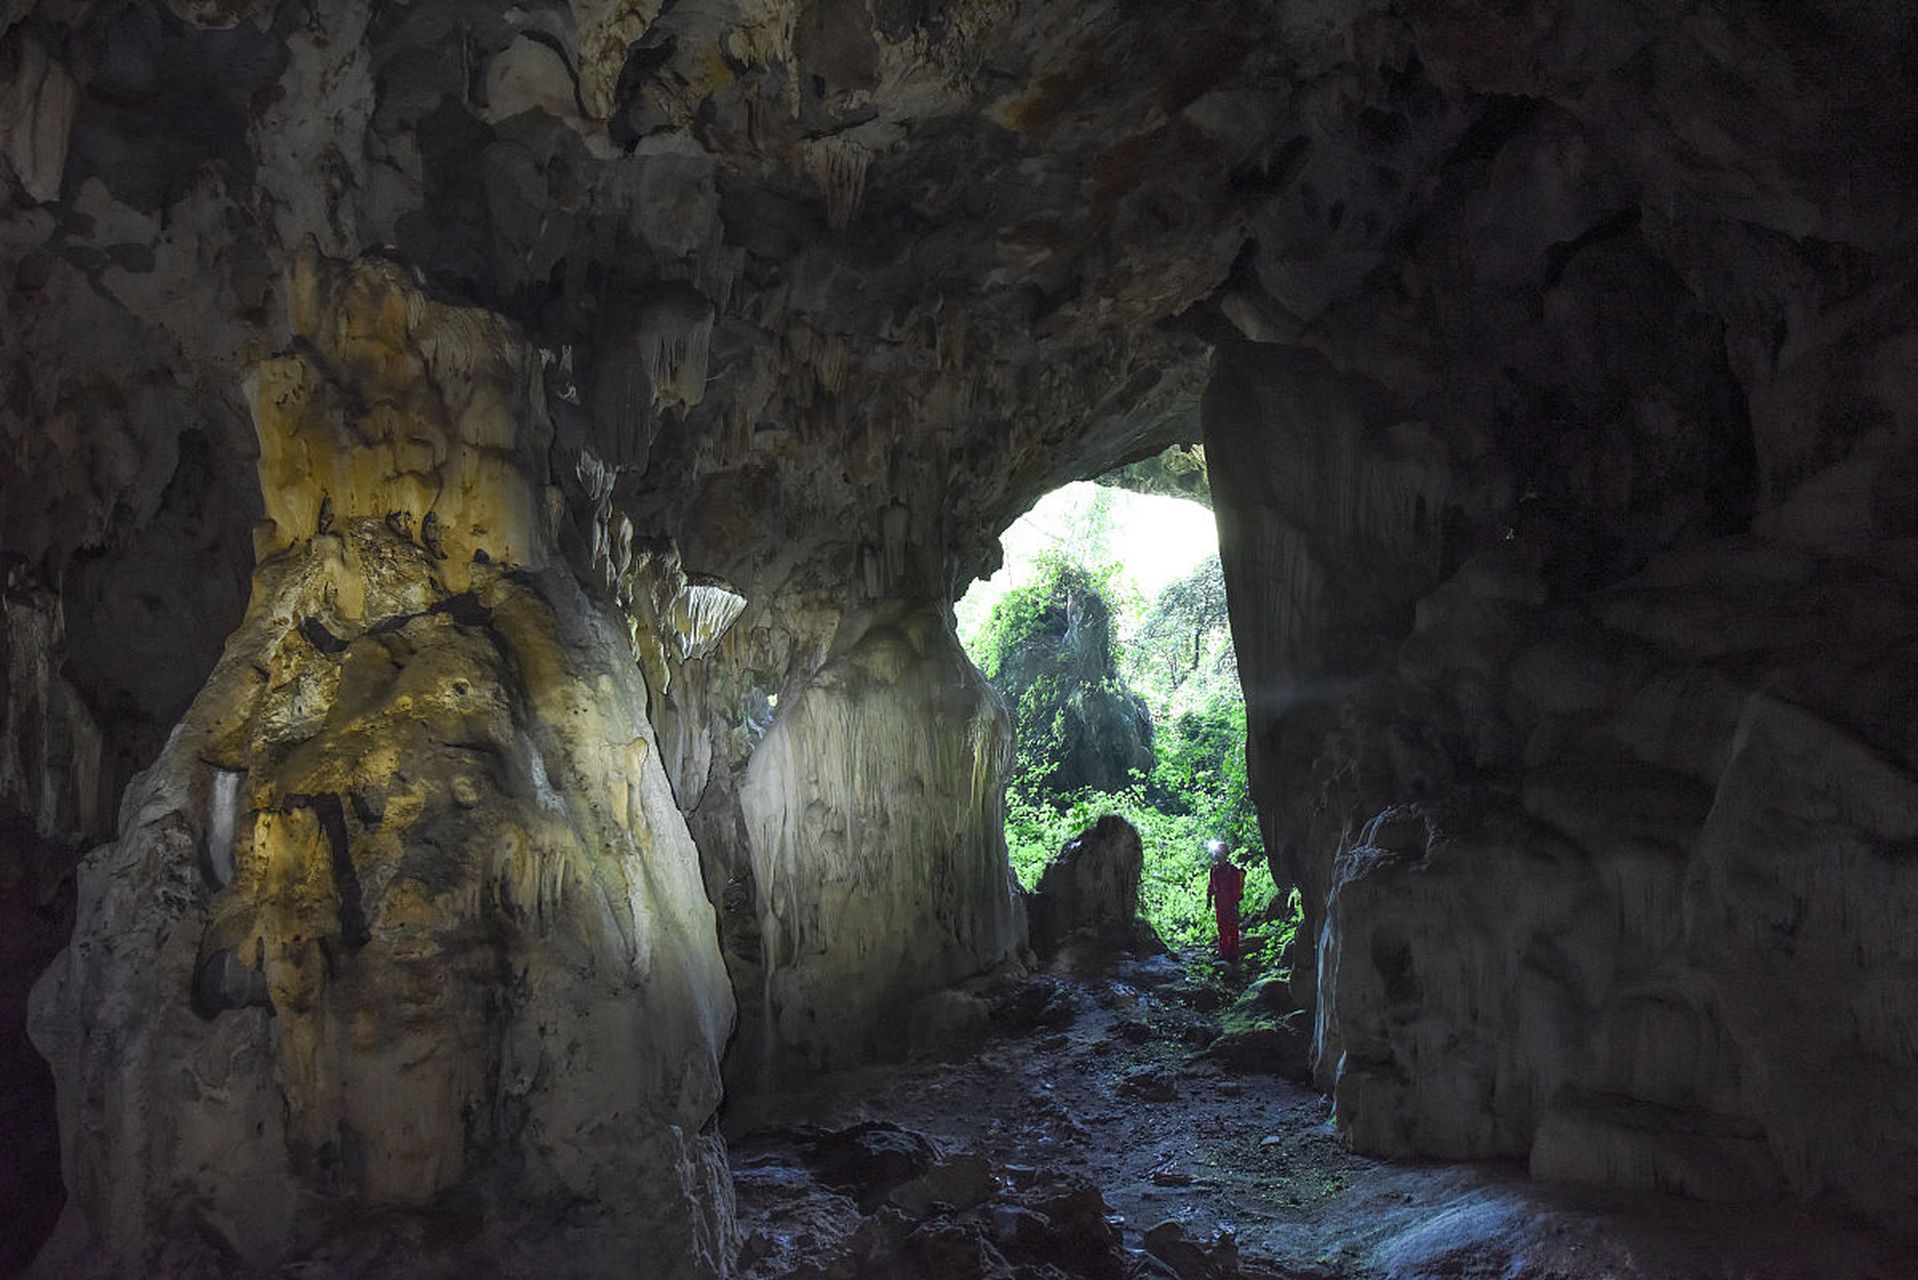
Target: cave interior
(483,490)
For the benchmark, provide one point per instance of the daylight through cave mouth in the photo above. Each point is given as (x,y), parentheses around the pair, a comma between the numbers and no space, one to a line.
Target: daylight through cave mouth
(1106,632)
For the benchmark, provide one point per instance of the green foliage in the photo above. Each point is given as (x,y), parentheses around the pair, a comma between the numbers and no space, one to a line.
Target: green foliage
(1178,655)
(1037,608)
(1177,863)
(1271,930)
(1178,652)
(1200,770)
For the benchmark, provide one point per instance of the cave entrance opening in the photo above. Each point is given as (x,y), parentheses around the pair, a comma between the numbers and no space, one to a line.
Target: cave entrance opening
(1106,632)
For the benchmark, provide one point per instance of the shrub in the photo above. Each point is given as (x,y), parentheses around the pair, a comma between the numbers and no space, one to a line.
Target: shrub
(1196,789)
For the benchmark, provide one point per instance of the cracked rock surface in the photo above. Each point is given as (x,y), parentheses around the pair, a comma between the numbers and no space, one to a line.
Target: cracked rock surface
(403,927)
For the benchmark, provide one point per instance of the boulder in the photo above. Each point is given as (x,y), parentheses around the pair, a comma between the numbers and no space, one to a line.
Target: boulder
(1278,1049)
(1090,889)
(947,1026)
(958,1182)
(867,1161)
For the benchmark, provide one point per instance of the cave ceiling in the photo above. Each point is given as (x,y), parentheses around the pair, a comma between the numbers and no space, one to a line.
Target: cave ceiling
(803,273)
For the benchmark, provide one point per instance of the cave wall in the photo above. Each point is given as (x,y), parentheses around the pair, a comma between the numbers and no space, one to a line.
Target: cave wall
(403,924)
(1565,523)
(875,812)
(711,343)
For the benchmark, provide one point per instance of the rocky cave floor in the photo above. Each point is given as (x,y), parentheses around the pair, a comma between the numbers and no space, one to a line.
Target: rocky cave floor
(1108,1130)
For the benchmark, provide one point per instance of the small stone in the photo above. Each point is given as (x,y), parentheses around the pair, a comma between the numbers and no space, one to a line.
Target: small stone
(961,1182)
(1148,1085)
(1279,1050)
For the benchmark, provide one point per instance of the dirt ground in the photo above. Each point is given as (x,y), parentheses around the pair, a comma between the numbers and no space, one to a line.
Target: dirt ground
(1240,1174)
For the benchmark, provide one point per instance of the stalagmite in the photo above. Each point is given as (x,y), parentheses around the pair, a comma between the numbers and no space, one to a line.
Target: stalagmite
(430,964)
(875,811)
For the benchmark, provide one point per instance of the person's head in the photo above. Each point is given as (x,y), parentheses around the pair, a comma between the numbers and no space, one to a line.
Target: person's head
(1220,852)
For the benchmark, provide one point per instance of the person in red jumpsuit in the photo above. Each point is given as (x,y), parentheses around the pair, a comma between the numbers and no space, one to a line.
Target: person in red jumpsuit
(1223,889)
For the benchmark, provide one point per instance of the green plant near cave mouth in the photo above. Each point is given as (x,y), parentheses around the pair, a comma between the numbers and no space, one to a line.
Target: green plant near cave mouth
(1173,653)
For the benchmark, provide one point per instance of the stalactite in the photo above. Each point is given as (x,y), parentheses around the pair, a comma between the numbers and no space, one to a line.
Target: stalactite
(223,806)
(764,37)
(50,746)
(703,611)
(833,357)
(675,332)
(838,165)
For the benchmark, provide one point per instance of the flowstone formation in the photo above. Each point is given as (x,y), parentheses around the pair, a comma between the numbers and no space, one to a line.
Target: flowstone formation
(875,816)
(403,926)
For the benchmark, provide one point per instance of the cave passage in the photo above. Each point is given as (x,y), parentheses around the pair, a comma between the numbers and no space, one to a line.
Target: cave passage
(1106,632)
(1150,1119)
(493,755)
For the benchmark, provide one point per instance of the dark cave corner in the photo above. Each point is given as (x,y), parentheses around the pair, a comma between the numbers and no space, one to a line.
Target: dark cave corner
(36,919)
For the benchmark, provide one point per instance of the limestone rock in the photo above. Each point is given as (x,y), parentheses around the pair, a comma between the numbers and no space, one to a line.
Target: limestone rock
(50,745)
(870,1161)
(1278,1049)
(36,113)
(947,1025)
(1064,670)
(1554,379)
(960,1182)
(451,792)
(1176,472)
(414,411)
(875,810)
(36,918)
(1090,887)
(404,916)
(1171,1243)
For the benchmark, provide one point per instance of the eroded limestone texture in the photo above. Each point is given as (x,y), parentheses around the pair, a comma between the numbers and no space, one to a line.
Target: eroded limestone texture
(1568,547)
(403,926)
(1063,672)
(875,809)
(1556,365)
(1090,887)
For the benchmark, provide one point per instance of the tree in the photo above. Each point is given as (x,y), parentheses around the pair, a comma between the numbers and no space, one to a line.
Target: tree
(1185,637)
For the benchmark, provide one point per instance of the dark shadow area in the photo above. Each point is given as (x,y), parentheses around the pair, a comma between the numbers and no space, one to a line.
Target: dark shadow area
(36,918)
